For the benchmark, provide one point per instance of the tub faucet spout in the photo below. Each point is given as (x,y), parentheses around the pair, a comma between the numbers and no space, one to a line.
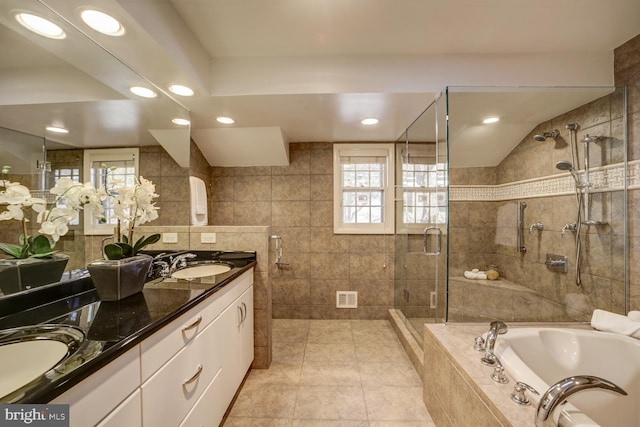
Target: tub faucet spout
(495,328)
(560,391)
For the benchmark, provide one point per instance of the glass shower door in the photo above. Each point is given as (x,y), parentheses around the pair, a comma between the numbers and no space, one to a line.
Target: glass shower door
(422,219)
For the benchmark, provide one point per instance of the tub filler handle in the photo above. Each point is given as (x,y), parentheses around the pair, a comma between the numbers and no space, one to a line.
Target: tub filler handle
(560,391)
(519,393)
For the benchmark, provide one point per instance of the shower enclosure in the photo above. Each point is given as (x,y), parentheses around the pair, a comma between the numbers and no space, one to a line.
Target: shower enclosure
(539,196)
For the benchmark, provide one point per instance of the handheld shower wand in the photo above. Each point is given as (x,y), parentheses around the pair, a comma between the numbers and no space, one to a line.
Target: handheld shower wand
(565,165)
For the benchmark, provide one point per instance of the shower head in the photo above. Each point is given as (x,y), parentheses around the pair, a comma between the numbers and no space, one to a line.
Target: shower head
(543,137)
(565,165)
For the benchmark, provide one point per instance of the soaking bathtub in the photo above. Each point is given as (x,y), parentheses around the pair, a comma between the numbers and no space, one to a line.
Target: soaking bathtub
(542,356)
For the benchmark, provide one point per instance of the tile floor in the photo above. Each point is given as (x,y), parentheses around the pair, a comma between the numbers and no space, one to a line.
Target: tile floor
(326,373)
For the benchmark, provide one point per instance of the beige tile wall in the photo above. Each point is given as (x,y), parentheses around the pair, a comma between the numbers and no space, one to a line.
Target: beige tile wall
(297,202)
(473,224)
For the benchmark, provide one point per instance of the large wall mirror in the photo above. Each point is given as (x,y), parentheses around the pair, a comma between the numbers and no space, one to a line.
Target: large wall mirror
(75,84)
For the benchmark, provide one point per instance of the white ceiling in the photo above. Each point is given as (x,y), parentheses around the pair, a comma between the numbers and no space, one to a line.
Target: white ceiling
(314,68)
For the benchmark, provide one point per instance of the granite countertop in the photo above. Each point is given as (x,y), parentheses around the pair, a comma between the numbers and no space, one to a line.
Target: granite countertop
(110,327)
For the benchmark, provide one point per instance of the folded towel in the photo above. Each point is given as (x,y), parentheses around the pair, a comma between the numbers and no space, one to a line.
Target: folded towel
(475,274)
(611,322)
(634,315)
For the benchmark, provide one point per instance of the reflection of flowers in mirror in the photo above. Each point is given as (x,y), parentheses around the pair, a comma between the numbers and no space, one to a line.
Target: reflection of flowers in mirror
(54,217)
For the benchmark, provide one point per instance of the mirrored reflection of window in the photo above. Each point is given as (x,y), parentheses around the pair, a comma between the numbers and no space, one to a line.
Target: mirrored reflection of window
(423,185)
(74,175)
(111,168)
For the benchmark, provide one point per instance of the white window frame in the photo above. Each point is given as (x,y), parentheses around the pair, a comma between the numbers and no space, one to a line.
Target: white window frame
(386,150)
(91,227)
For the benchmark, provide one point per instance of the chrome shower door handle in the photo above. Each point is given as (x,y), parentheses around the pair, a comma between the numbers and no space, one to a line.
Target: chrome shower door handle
(426,235)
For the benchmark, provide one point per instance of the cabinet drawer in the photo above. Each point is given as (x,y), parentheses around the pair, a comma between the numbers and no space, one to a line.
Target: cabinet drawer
(171,392)
(164,344)
(128,414)
(95,397)
(210,408)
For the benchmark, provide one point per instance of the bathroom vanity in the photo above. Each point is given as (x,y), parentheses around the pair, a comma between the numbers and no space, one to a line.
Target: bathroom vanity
(174,354)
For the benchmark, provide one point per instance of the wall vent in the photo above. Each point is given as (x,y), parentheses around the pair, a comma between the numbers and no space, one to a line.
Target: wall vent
(346,299)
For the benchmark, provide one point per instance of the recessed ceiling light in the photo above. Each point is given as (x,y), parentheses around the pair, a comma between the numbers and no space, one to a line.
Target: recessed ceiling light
(181,122)
(143,91)
(102,22)
(490,120)
(181,90)
(370,121)
(57,129)
(225,120)
(40,26)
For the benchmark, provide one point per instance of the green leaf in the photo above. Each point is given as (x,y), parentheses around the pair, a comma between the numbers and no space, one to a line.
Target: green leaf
(40,246)
(11,250)
(145,241)
(118,251)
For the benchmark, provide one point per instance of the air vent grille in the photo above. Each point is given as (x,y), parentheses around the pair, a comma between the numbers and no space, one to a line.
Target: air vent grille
(346,299)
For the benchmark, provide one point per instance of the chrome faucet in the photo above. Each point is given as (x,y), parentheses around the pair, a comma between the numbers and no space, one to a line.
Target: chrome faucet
(536,226)
(569,227)
(495,328)
(180,262)
(560,391)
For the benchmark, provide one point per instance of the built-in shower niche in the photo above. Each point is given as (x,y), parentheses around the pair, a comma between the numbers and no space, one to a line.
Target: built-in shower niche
(545,166)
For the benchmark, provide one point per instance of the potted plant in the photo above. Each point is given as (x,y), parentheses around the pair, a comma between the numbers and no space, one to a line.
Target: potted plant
(34,261)
(123,270)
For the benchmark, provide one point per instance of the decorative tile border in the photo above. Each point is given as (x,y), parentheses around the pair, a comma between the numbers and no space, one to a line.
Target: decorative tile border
(605,178)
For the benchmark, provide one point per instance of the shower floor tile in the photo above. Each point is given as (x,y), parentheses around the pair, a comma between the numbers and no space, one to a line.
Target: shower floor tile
(332,373)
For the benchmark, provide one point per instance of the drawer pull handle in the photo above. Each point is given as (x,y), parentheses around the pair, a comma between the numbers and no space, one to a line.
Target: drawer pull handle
(244,307)
(194,377)
(193,325)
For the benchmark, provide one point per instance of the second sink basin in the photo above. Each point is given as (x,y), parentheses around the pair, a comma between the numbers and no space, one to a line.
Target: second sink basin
(196,271)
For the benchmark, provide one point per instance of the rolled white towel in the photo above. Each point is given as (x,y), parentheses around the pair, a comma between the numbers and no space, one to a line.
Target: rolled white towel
(611,322)
(634,315)
(475,274)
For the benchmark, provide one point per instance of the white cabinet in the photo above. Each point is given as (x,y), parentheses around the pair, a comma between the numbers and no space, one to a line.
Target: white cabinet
(172,391)
(175,388)
(128,413)
(234,344)
(94,398)
(238,341)
(184,374)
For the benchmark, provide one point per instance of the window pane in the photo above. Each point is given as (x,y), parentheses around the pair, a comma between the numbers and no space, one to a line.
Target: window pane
(363,215)
(362,179)
(112,175)
(348,198)
(349,215)
(376,198)
(376,179)
(409,198)
(363,198)
(376,215)
(348,179)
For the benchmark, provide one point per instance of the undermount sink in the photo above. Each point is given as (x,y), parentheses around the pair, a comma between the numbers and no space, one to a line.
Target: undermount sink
(28,353)
(196,271)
